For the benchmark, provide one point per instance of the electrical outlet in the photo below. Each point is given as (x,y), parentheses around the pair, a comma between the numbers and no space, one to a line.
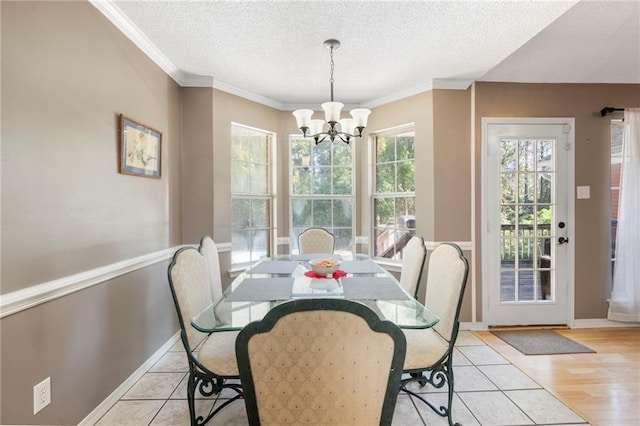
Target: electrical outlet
(41,395)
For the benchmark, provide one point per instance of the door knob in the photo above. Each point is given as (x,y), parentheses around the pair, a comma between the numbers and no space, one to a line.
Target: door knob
(563,240)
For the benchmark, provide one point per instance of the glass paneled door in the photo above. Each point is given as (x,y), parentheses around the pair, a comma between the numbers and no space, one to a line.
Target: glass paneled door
(527,220)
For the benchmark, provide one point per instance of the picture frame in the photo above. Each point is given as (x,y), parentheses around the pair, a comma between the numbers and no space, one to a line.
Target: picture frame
(139,149)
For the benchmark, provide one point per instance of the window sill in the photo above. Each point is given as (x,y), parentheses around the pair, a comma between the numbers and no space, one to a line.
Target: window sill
(391,266)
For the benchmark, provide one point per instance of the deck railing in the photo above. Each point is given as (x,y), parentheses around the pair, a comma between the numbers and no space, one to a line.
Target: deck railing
(528,236)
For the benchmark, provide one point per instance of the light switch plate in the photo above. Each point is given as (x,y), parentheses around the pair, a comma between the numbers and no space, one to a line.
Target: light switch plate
(584,192)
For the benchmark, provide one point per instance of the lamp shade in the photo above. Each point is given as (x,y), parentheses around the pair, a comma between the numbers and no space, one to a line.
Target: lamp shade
(347,125)
(332,111)
(315,127)
(360,116)
(303,117)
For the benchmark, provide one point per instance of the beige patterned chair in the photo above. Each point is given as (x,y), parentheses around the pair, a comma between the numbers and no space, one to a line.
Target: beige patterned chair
(211,357)
(320,361)
(209,250)
(430,350)
(316,240)
(414,255)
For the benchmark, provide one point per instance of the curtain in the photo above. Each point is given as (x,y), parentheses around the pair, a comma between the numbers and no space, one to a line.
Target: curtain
(625,296)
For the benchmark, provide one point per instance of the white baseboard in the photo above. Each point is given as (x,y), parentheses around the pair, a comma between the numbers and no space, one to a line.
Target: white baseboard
(579,323)
(472,326)
(601,323)
(115,396)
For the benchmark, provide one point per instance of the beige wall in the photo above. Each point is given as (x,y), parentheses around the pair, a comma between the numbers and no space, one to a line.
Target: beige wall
(67,73)
(592,162)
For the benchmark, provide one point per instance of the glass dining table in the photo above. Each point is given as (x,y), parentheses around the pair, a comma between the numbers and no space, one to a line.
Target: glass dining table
(272,281)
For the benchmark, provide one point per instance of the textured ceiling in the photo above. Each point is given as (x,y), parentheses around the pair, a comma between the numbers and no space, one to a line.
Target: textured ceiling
(273,51)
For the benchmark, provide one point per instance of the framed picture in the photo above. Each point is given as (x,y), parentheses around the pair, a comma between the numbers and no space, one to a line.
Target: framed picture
(139,149)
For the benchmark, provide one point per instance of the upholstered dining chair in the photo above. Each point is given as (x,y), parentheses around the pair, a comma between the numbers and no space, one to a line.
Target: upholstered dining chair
(211,357)
(209,250)
(320,361)
(429,356)
(414,255)
(316,240)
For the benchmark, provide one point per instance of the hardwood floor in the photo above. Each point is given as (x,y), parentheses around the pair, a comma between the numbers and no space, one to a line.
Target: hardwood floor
(601,387)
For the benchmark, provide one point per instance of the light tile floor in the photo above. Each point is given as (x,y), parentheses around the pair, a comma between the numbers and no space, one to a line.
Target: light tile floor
(489,391)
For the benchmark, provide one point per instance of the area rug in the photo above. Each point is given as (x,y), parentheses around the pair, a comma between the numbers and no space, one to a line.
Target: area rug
(541,342)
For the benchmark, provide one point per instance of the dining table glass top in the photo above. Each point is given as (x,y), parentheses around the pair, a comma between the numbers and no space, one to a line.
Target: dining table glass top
(272,281)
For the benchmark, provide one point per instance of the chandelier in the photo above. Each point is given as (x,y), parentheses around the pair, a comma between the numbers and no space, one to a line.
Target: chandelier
(348,126)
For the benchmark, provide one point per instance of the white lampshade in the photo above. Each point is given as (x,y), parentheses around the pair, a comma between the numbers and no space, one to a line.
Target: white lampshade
(303,117)
(315,127)
(332,110)
(360,116)
(347,126)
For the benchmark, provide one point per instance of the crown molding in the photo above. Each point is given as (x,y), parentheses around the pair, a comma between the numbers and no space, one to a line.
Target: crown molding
(450,84)
(114,14)
(217,84)
(399,95)
(194,80)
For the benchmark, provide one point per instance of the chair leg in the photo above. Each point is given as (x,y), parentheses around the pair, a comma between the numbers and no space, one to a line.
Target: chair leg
(438,376)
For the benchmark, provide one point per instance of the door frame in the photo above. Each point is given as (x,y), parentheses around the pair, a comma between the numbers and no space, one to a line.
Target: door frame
(570,147)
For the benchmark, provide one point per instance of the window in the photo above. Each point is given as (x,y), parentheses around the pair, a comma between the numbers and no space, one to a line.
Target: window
(322,190)
(617,129)
(251,194)
(394,207)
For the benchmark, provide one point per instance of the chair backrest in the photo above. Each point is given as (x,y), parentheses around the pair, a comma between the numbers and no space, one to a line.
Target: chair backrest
(191,290)
(320,361)
(446,281)
(316,240)
(414,255)
(209,250)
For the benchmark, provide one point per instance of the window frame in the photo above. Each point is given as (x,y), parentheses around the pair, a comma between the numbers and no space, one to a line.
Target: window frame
(389,132)
(269,196)
(315,196)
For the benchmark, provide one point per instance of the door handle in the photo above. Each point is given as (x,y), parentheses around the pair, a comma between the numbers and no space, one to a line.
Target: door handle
(563,240)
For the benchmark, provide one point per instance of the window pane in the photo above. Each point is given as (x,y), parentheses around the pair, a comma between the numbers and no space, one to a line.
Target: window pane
(322,154)
(405,147)
(383,210)
(322,180)
(526,187)
(259,244)
(301,213)
(343,242)
(405,212)
(341,154)
(406,176)
(526,156)
(322,213)
(385,149)
(508,155)
(544,152)
(544,188)
(342,180)
(385,178)
(240,241)
(239,177)
(260,179)
(508,187)
(300,148)
(240,213)
(260,213)
(342,213)
(302,181)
